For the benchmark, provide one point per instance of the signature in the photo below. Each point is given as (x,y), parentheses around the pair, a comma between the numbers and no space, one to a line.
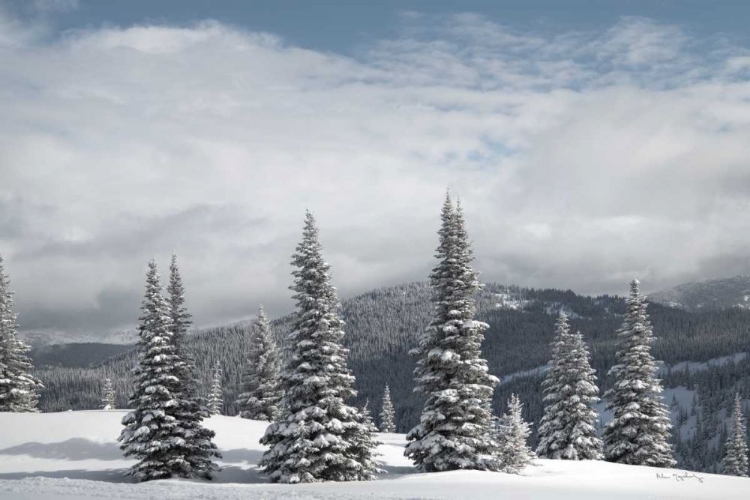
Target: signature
(680,477)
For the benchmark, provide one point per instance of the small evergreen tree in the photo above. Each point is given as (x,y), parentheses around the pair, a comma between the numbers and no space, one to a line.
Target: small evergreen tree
(512,433)
(367,415)
(261,391)
(568,428)
(320,438)
(639,432)
(215,398)
(200,449)
(152,433)
(387,413)
(456,424)
(108,395)
(364,441)
(18,388)
(735,459)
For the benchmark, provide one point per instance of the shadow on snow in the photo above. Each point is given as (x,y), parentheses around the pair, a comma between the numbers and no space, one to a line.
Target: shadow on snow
(236,466)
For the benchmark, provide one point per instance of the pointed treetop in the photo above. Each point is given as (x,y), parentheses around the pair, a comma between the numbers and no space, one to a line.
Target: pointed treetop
(448,203)
(175,280)
(448,210)
(4,277)
(310,234)
(458,212)
(635,286)
(153,279)
(2,265)
(310,221)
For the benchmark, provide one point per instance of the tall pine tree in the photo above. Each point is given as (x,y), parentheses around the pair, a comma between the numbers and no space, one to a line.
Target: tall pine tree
(456,424)
(735,460)
(320,437)
(387,413)
(639,431)
(568,428)
(153,434)
(18,388)
(261,391)
(199,449)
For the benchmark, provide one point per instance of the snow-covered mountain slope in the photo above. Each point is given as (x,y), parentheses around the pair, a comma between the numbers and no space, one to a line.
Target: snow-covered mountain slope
(38,338)
(707,295)
(74,455)
(690,366)
(76,355)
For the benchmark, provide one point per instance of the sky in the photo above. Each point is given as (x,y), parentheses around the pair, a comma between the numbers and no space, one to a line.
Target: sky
(589,142)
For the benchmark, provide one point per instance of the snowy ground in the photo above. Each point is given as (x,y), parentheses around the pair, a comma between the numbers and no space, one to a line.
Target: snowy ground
(74,455)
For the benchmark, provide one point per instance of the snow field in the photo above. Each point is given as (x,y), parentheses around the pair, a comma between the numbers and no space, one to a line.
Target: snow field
(75,455)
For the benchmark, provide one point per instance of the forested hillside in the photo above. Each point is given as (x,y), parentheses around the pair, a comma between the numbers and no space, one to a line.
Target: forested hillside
(384,324)
(77,355)
(704,295)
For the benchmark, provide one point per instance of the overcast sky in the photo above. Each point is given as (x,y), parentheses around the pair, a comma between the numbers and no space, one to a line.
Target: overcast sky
(586,149)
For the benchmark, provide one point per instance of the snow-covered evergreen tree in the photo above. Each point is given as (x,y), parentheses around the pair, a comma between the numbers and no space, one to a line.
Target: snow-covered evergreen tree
(320,437)
(152,433)
(367,420)
(736,460)
(261,391)
(178,313)
(363,444)
(18,387)
(108,395)
(512,433)
(200,448)
(387,413)
(568,428)
(215,397)
(367,414)
(639,431)
(456,424)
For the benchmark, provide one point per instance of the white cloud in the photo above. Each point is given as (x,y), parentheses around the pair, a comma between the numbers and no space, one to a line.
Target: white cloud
(582,159)
(642,42)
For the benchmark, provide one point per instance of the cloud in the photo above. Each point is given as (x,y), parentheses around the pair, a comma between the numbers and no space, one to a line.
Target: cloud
(54,6)
(582,159)
(641,42)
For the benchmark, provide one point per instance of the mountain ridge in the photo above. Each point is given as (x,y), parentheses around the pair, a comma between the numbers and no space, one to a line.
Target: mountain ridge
(714,294)
(721,293)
